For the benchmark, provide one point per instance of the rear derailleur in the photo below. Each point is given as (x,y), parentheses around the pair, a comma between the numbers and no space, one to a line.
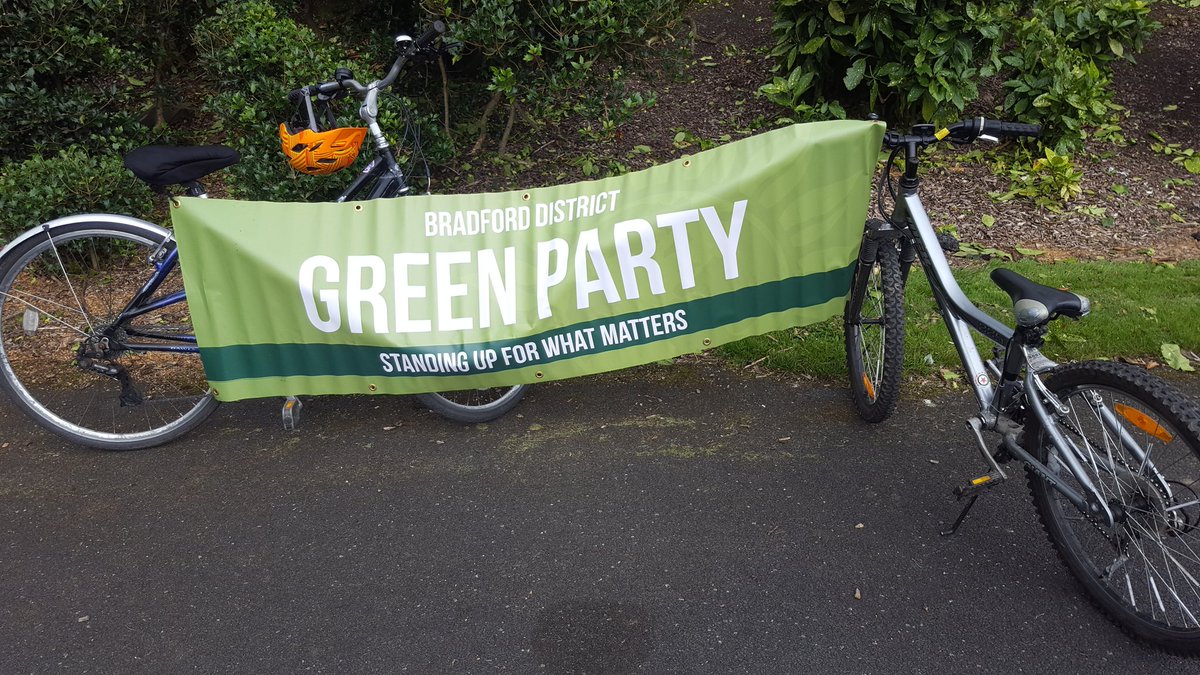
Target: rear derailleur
(97,355)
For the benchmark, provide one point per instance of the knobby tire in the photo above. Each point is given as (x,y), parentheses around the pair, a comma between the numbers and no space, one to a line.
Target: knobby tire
(1145,571)
(874,332)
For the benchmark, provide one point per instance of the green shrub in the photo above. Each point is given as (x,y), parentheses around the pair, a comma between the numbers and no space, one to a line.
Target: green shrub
(1102,30)
(60,60)
(72,181)
(905,59)
(911,60)
(1056,86)
(90,72)
(548,54)
(1058,72)
(1051,181)
(254,56)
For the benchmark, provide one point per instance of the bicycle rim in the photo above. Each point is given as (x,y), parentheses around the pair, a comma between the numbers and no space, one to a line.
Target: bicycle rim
(475,405)
(58,296)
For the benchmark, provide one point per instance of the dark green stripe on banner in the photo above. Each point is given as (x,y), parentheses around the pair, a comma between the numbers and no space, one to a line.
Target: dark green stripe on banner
(235,362)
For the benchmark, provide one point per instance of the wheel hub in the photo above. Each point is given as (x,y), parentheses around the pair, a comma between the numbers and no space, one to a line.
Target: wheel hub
(1151,508)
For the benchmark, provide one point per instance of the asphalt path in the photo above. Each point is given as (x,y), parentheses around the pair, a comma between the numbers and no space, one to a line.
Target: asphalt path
(682,519)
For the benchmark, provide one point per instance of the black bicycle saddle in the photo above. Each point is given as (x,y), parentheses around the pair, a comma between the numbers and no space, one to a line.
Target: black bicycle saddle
(162,165)
(1034,303)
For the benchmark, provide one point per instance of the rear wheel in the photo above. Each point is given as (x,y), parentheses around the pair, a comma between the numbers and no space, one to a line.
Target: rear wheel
(62,359)
(874,331)
(471,406)
(1144,572)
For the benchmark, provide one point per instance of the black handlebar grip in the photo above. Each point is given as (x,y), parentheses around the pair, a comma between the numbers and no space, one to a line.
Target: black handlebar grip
(1011,129)
(430,35)
(1019,129)
(326,87)
(342,74)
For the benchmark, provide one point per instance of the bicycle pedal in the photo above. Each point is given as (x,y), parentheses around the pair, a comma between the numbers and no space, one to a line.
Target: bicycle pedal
(979,485)
(291,413)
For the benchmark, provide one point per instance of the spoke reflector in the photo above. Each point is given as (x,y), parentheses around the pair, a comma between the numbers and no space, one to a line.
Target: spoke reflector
(29,322)
(1144,422)
(870,387)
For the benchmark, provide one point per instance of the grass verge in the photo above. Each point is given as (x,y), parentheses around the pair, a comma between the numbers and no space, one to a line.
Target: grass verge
(1136,308)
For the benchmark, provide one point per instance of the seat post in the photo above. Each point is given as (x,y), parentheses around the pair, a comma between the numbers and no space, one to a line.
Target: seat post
(195,189)
(1014,361)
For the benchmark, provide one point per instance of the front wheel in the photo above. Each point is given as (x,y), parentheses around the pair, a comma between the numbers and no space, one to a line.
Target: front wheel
(874,330)
(472,406)
(1139,442)
(68,363)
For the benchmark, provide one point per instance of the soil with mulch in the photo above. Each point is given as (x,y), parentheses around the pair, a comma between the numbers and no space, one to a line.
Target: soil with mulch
(1136,203)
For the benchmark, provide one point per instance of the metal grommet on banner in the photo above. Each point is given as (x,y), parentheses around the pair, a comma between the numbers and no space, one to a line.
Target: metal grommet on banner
(525,197)
(358,207)
(687,163)
(539,374)
(175,203)
(372,387)
(216,393)
(707,342)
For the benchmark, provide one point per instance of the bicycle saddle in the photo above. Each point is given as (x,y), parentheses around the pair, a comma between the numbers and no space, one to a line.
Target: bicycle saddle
(162,165)
(1034,303)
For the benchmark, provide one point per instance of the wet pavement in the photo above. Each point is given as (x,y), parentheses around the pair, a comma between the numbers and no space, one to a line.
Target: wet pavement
(681,519)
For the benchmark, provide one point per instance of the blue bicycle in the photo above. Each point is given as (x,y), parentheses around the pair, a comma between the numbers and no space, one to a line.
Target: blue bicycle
(96,341)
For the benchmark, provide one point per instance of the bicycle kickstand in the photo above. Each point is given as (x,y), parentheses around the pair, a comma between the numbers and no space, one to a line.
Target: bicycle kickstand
(291,413)
(978,485)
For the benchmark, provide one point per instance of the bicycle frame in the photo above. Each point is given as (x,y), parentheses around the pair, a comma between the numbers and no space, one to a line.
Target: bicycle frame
(957,309)
(961,315)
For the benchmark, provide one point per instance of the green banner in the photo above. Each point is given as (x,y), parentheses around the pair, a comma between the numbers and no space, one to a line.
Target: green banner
(444,292)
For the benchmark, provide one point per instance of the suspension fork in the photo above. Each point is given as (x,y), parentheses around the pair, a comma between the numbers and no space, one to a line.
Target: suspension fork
(876,233)
(908,254)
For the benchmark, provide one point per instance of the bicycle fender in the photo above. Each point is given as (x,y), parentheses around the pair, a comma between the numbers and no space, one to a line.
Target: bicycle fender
(45,229)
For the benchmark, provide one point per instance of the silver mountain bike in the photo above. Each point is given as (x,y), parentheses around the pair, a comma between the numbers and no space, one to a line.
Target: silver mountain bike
(1112,454)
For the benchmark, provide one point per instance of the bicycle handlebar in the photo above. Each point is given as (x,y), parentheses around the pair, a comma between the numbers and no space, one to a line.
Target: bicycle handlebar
(964,131)
(344,79)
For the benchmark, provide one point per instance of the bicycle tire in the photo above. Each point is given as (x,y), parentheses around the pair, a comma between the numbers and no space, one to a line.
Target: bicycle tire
(874,332)
(1144,573)
(473,406)
(56,293)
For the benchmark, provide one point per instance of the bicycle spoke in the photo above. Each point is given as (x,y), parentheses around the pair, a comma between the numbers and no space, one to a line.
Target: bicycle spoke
(67,278)
(42,311)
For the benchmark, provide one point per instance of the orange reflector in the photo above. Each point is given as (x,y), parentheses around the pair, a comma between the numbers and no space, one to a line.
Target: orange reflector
(981,480)
(870,387)
(1144,422)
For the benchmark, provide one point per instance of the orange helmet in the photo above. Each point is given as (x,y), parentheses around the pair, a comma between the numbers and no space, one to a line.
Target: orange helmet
(320,153)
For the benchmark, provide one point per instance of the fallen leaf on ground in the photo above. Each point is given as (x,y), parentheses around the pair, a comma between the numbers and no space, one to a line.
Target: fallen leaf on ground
(1176,359)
